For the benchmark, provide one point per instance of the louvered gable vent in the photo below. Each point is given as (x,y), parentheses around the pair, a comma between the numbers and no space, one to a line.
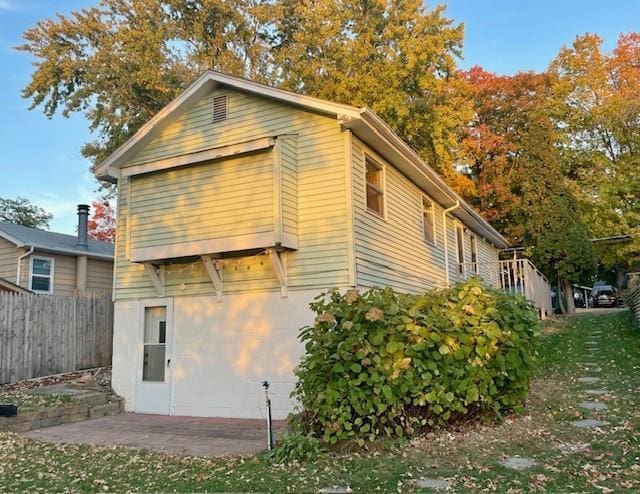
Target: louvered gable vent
(220,108)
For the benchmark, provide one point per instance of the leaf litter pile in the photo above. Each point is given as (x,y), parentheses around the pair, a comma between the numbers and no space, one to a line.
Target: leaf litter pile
(568,459)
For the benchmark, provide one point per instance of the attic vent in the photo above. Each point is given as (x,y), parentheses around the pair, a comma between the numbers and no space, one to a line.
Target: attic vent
(220,108)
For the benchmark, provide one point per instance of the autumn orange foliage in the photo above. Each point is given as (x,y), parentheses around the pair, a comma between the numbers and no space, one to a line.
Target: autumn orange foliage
(102,224)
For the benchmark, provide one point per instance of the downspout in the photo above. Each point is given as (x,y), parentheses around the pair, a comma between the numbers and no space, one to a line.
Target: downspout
(28,253)
(446,239)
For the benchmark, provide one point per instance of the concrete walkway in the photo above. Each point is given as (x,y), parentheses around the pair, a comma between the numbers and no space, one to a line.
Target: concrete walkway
(184,435)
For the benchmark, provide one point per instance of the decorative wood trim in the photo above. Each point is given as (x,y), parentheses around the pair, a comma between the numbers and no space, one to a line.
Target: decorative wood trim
(351,233)
(277,192)
(127,222)
(211,246)
(200,156)
(279,262)
(214,269)
(157,276)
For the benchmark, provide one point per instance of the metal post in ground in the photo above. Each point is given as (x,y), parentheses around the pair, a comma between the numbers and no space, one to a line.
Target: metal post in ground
(265,385)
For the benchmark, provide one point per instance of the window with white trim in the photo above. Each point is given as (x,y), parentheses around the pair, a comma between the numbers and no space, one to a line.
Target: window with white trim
(41,274)
(375,187)
(460,248)
(473,243)
(428,223)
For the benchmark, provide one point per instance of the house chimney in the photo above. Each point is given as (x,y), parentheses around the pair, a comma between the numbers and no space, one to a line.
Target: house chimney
(83,226)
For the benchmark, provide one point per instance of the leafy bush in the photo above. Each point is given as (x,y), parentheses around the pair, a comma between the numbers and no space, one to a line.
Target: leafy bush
(295,447)
(382,364)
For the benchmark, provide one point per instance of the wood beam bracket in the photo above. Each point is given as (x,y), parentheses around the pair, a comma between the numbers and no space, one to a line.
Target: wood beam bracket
(157,276)
(214,269)
(279,262)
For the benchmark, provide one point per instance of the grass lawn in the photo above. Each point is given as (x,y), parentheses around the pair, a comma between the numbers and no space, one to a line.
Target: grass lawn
(30,402)
(569,459)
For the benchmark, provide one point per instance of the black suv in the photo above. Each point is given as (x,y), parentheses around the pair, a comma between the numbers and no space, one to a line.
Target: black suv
(604,296)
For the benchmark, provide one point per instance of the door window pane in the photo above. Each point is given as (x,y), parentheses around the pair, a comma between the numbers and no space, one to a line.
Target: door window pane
(155,336)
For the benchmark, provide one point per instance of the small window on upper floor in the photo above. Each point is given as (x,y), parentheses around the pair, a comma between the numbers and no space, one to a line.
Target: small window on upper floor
(41,274)
(375,187)
(428,223)
(220,108)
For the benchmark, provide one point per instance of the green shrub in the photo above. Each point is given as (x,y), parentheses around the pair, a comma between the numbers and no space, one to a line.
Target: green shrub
(381,364)
(295,447)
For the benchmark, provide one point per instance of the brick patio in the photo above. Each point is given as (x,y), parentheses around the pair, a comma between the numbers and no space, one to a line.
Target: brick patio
(184,435)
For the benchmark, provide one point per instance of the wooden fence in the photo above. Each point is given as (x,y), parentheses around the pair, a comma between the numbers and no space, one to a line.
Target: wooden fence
(42,335)
(632,299)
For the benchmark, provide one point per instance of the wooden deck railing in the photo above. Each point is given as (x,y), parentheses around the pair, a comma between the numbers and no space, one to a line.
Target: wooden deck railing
(515,276)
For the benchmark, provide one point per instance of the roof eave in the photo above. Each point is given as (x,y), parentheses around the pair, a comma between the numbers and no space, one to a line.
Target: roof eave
(387,137)
(74,253)
(14,240)
(108,169)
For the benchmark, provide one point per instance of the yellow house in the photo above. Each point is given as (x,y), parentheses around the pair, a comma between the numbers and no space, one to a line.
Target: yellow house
(237,205)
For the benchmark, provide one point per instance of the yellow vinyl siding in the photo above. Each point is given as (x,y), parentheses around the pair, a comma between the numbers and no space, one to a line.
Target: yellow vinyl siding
(488,261)
(453,249)
(99,275)
(289,180)
(312,157)
(392,251)
(130,278)
(222,198)
(9,255)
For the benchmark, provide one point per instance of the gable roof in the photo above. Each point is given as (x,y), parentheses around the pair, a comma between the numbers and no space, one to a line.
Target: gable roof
(23,236)
(363,122)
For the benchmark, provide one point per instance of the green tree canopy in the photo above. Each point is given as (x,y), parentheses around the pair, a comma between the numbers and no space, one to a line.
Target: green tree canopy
(20,211)
(602,94)
(121,61)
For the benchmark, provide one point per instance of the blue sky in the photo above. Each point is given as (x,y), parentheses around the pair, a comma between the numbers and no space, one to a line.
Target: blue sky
(41,158)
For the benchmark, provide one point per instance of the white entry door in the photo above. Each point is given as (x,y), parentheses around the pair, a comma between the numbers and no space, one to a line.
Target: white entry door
(153,391)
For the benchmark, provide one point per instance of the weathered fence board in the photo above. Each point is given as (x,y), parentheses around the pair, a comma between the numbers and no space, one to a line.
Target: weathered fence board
(632,299)
(48,334)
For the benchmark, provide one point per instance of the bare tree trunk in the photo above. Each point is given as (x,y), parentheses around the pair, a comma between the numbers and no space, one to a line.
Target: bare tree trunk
(561,303)
(568,290)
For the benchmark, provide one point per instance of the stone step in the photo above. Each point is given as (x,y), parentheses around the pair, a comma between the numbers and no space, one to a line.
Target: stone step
(92,399)
(107,409)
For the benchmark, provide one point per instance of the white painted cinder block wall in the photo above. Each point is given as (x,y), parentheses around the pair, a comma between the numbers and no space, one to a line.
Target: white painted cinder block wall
(222,351)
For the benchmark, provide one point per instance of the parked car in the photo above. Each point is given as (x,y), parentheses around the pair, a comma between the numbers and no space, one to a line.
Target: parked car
(605,296)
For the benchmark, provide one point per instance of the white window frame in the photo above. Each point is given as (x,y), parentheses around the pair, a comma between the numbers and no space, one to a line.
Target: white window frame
(473,242)
(425,198)
(52,262)
(460,250)
(370,159)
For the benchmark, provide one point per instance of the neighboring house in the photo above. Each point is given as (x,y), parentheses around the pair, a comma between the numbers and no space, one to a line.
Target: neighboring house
(238,204)
(7,286)
(54,263)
